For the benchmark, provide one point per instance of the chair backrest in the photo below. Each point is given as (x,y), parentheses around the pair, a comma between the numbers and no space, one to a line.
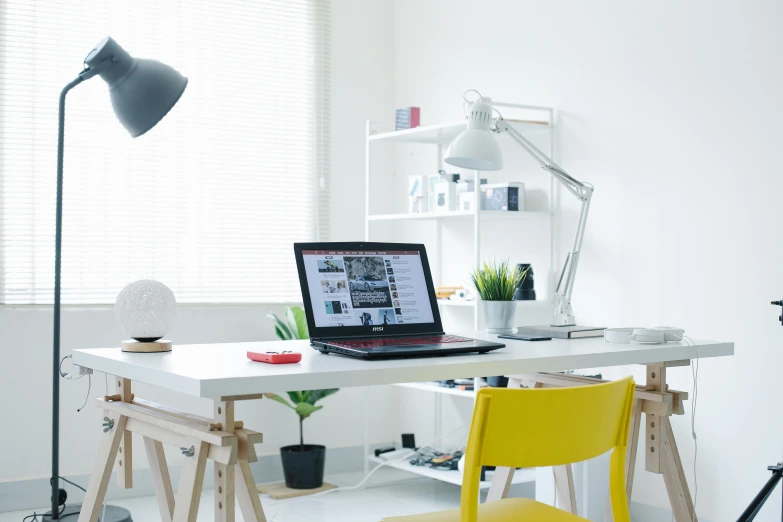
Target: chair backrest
(548,427)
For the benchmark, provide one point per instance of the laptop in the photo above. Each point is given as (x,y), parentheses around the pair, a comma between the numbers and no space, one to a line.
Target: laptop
(374,301)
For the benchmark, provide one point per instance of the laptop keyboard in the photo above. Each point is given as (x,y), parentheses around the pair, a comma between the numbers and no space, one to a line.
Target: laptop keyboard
(369,344)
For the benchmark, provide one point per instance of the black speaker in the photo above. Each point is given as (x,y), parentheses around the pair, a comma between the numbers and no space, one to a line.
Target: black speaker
(525,291)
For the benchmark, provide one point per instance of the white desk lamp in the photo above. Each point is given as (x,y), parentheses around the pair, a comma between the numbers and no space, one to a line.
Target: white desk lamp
(477,149)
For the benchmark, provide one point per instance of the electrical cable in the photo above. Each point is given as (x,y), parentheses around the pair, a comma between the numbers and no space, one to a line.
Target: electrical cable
(72,484)
(695,377)
(34,516)
(465,97)
(69,376)
(86,397)
(273,515)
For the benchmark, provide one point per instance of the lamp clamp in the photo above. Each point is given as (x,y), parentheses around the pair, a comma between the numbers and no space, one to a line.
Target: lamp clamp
(90,72)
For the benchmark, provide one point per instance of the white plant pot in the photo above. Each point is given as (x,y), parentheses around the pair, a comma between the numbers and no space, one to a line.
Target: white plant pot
(499,316)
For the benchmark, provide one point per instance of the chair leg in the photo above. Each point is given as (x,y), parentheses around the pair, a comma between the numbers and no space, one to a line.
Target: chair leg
(101,471)
(190,483)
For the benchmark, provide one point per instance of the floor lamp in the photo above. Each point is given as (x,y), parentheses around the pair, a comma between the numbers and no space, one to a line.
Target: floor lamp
(142,93)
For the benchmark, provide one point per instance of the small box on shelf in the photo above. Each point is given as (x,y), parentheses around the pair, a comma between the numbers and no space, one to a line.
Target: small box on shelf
(503,196)
(407,118)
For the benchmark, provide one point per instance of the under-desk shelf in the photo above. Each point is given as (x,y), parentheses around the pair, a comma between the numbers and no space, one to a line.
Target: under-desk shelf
(453,477)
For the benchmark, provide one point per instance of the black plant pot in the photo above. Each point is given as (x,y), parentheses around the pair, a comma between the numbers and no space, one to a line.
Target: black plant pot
(303,469)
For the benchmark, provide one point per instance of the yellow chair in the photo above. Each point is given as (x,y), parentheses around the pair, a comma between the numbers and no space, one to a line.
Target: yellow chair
(541,427)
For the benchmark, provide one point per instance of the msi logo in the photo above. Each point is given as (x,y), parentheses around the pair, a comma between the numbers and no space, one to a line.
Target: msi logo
(377,328)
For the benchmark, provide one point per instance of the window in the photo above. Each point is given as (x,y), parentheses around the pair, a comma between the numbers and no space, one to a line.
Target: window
(211,200)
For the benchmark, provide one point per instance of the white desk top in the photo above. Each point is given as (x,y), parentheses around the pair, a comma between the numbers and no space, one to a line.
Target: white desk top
(214,370)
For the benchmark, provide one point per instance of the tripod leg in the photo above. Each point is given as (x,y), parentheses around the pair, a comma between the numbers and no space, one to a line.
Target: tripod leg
(758,502)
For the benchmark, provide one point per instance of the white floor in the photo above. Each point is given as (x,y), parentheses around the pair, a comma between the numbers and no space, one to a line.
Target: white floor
(388,493)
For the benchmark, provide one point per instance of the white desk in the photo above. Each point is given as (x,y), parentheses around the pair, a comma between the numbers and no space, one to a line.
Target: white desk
(223,373)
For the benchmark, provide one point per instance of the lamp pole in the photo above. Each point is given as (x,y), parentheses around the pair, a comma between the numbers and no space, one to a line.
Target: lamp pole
(161,87)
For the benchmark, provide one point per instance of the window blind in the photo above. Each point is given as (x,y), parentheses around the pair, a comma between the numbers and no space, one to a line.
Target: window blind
(209,201)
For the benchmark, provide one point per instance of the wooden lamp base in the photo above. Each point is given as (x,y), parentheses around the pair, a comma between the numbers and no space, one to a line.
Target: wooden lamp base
(153,347)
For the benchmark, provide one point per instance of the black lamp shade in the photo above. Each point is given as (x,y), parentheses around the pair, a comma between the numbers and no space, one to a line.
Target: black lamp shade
(142,91)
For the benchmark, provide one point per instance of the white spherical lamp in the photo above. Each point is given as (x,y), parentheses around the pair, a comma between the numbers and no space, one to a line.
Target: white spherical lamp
(145,310)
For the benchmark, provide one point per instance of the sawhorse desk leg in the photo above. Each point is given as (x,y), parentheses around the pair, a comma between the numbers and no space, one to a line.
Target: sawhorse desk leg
(658,403)
(221,438)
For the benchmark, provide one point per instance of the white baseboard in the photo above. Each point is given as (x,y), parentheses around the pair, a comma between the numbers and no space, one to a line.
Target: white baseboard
(645,513)
(34,493)
(20,495)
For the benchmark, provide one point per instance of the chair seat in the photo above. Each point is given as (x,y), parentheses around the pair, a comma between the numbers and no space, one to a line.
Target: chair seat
(506,510)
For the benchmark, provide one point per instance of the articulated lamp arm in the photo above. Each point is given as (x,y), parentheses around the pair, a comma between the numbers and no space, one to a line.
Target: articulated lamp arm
(563,313)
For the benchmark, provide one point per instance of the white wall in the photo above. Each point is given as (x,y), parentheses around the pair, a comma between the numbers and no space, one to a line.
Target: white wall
(672,109)
(362,89)
(361,81)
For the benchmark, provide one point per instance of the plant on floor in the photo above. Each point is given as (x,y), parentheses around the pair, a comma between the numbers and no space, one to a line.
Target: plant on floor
(496,281)
(295,327)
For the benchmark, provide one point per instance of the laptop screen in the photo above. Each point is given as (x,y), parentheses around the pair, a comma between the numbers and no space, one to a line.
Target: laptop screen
(367,287)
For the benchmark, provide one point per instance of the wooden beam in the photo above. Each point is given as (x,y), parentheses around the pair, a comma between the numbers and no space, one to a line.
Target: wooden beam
(247,397)
(563,380)
(225,504)
(160,478)
(191,481)
(662,409)
(501,483)
(674,477)
(247,495)
(564,486)
(161,408)
(164,420)
(101,469)
(125,451)
(653,460)
(223,454)
(247,440)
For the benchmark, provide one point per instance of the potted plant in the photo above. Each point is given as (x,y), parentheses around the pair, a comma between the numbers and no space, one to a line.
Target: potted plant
(495,283)
(303,464)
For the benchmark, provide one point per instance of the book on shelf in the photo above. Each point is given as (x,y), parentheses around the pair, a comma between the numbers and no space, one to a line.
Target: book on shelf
(407,118)
(561,332)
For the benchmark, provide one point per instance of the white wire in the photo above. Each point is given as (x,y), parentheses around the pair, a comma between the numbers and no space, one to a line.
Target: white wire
(273,516)
(695,377)
(86,397)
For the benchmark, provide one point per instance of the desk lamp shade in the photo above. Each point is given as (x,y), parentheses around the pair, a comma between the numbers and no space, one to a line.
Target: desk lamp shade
(476,148)
(142,91)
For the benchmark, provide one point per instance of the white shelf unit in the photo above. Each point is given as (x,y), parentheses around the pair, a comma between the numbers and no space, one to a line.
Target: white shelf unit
(440,136)
(538,122)
(521,476)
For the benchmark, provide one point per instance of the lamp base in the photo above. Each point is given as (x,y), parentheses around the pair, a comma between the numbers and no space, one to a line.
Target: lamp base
(139,347)
(113,514)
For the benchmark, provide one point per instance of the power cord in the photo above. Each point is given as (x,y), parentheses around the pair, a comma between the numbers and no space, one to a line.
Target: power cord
(273,517)
(82,372)
(34,516)
(695,377)
(77,486)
